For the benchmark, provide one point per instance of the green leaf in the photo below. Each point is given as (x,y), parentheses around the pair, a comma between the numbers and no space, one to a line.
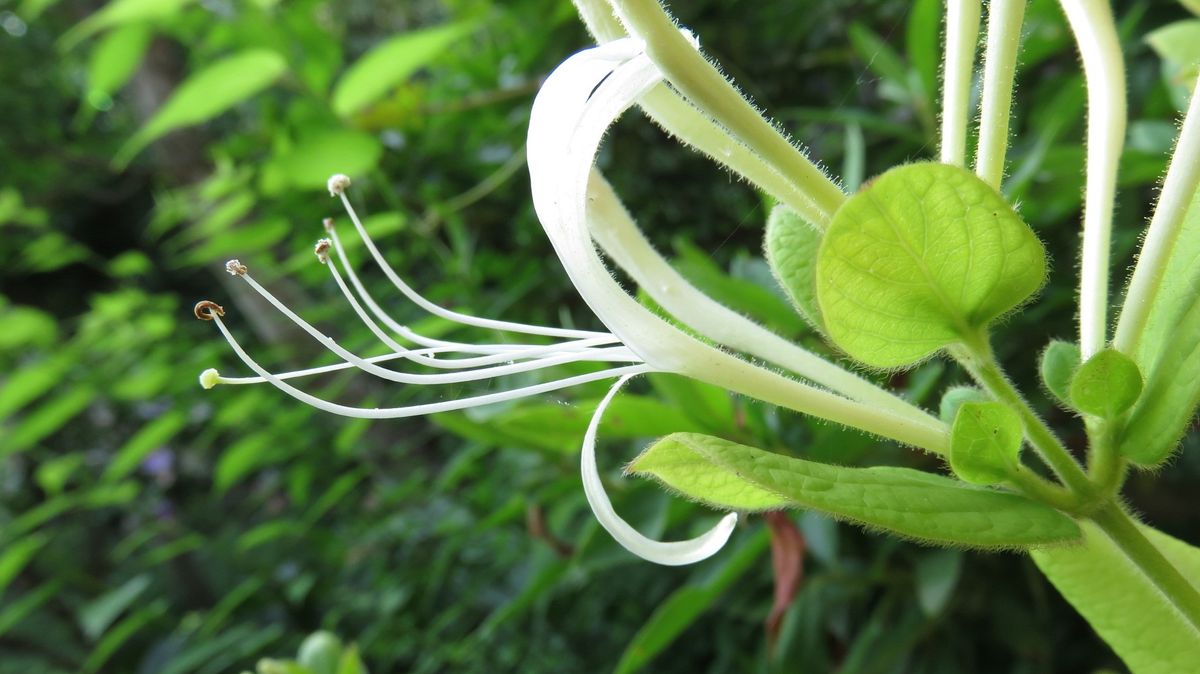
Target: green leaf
(309,163)
(985,442)
(351,662)
(30,382)
(16,556)
(923,257)
(128,628)
(148,438)
(96,616)
(115,58)
(1178,42)
(936,575)
(954,397)
(687,604)
(320,652)
(1059,362)
(1165,410)
(389,64)
(907,502)
(206,94)
(1121,603)
(679,463)
(118,13)
(792,245)
(47,419)
(1106,385)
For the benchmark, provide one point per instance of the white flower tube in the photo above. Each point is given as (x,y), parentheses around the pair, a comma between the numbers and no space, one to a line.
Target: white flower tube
(568,115)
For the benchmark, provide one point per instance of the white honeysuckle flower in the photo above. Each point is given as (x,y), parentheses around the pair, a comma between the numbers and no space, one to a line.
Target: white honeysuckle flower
(578,210)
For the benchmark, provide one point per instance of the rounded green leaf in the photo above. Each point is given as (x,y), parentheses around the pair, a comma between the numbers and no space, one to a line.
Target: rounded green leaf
(985,442)
(1106,385)
(208,93)
(309,163)
(791,246)
(954,398)
(1060,360)
(320,653)
(922,257)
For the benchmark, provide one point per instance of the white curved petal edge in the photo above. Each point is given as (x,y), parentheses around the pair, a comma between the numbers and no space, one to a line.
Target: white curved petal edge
(672,553)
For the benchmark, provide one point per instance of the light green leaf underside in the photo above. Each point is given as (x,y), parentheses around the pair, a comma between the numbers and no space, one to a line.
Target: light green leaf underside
(1121,604)
(1165,409)
(922,257)
(208,93)
(954,398)
(1106,385)
(906,502)
(389,64)
(985,442)
(1058,365)
(791,246)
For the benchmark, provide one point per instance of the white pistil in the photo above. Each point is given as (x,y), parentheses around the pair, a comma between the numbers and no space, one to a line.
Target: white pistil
(675,553)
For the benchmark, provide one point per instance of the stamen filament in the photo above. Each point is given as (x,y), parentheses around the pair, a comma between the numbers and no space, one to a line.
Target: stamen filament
(427,408)
(581,348)
(406,378)
(437,310)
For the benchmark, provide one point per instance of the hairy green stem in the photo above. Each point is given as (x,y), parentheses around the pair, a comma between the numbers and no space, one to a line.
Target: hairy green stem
(962,37)
(1124,532)
(999,71)
(687,124)
(1038,488)
(981,363)
(697,79)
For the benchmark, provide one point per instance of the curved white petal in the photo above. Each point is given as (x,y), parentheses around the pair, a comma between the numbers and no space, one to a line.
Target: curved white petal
(571,113)
(673,553)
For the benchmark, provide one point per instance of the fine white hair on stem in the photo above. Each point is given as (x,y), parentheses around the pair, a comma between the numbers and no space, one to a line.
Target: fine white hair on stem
(1178,190)
(999,71)
(673,553)
(423,409)
(962,38)
(1104,71)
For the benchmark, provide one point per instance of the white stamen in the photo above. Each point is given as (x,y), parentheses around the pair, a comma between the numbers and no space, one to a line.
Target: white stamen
(428,408)
(675,553)
(338,184)
(579,353)
(406,378)
(455,316)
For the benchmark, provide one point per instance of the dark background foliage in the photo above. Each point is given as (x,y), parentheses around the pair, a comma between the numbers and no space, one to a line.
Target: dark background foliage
(149,526)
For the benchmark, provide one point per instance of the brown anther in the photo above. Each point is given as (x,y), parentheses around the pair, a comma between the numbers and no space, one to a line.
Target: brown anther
(322,250)
(328,222)
(235,267)
(205,310)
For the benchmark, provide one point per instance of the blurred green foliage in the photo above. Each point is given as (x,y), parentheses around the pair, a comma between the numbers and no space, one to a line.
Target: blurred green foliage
(149,526)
